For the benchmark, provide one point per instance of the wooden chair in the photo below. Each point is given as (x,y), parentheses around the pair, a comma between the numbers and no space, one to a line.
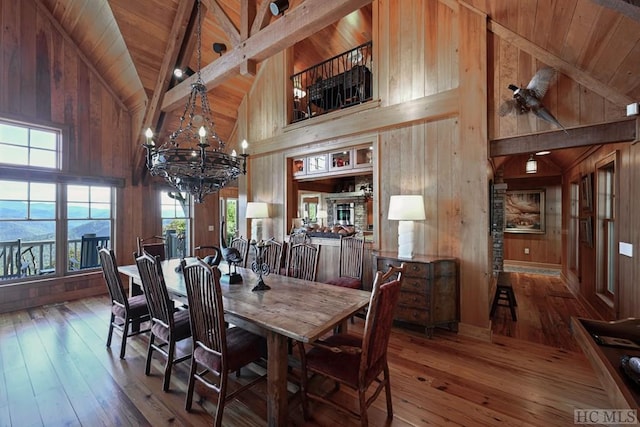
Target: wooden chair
(154,246)
(355,361)
(351,259)
(124,311)
(273,255)
(217,351)
(168,326)
(89,247)
(294,238)
(242,245)
(303,261)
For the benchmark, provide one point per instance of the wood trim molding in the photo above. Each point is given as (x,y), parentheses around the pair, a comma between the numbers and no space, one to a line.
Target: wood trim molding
(582,77)
(581,136)
(300,23)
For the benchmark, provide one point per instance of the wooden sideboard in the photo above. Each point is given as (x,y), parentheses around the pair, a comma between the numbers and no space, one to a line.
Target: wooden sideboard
(430,294)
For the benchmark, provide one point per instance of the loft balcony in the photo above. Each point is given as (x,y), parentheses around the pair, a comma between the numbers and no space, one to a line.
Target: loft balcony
(339,82)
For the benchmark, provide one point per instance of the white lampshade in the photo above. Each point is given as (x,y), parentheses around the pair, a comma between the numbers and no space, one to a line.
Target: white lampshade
(406,208)
(257,210)
(322,214)
(532,165)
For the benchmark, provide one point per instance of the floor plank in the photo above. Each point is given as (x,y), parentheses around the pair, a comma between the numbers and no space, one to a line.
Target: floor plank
(56,370)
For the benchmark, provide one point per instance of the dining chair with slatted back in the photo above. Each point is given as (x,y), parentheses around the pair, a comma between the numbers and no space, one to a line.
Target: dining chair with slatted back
(242,245)
(125,311)
(168,325)
(351,260)
(217,350)
(355,361)
(303,261)
(154,246)
(272,254)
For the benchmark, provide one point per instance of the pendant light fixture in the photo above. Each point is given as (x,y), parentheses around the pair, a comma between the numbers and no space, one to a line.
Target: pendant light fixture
(532,165)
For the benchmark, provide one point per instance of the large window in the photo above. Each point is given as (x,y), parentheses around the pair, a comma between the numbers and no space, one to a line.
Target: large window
(176,229)
(229,214)
(48,225)
(89,223)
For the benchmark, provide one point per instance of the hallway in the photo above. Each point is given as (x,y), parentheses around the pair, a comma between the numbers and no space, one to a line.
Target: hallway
(544,311)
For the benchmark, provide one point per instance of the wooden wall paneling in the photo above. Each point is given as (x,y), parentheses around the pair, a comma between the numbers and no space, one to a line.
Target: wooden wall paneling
(601,31)
(10,93)
(70,74)
(526,26)
(474,266)
(526,68)
(58,96)
(81,162)
(450,194)
(563,12)
(435,160)
(579,30)
(507,66)
(27,54)
(590,107)
(446,25)
(43,68)
(626,36)
(564,102)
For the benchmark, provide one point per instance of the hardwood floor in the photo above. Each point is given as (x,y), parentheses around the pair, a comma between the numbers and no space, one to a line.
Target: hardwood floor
(56,370)
(545,308)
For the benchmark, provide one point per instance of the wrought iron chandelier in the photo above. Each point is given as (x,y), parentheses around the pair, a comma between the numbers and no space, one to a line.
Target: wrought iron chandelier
(193,159)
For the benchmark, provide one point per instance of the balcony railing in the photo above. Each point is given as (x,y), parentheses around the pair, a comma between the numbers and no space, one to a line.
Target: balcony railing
(336,83)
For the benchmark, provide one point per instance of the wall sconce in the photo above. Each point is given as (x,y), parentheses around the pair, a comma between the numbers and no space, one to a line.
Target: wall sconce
(278,7)
(406,209)
(219,48)
(532,165)
(257,211)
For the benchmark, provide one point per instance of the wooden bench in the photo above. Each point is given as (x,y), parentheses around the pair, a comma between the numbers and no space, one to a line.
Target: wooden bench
(504,296)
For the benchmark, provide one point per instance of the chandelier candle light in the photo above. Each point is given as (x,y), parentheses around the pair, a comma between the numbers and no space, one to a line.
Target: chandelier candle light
(406,209)
(193,159)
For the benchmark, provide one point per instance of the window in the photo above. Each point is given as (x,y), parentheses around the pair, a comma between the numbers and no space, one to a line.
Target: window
(29,146)
(48,224)
(27,229)
(176,215)
(229,214)
(89,224)
(605,225)
(574,227)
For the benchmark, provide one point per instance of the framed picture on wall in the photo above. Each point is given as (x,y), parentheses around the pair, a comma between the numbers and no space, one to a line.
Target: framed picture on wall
(524,211)
(586,193)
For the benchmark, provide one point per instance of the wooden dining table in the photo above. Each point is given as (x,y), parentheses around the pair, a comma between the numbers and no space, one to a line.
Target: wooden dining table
(293,308)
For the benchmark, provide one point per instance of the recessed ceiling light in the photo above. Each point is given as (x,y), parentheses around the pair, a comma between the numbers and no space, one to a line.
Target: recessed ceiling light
(542,153)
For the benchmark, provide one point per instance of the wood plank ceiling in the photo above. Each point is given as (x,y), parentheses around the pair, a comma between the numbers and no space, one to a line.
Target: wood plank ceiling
(594,42)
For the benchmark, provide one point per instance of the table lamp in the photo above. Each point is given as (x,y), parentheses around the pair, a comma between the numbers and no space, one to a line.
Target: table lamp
(322,215)
(406,209)
(257,211)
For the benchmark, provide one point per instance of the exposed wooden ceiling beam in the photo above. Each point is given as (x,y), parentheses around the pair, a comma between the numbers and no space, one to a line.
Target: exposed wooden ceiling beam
(300,23)
(629,8)
(225,22)
(262,18)
(247,17)
(559,64)
(152,114)
(620,131)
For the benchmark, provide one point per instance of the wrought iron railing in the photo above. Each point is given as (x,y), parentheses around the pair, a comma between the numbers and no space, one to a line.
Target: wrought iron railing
(336,83)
